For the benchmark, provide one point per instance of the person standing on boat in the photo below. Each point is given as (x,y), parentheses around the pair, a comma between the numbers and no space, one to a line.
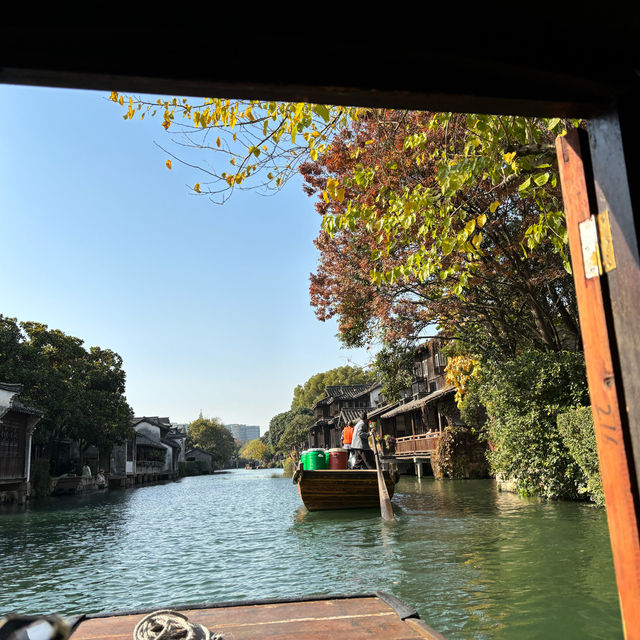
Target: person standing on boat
(347,436)
(360,445)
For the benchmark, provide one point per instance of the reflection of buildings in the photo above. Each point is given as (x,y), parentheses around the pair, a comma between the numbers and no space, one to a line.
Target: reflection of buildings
(17,422)
(243,432)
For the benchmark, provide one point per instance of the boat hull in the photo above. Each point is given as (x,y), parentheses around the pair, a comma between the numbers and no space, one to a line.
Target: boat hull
(353,489)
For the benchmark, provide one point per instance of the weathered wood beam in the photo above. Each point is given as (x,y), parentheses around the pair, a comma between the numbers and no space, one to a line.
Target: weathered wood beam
(606,386)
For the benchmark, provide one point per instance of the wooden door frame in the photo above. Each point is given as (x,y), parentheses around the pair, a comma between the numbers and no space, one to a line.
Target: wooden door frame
(596,82)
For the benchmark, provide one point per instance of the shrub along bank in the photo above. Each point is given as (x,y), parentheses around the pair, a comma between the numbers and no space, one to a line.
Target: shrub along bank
(576,429)
(540,453)
(460,454)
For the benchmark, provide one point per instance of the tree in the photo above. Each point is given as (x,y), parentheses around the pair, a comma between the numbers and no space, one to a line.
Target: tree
(255,450)
(81,392)
(212,436)
(420,228)
(296,432)
(307,394)
(429,199)
(264,142)
(394,367)
(292,423)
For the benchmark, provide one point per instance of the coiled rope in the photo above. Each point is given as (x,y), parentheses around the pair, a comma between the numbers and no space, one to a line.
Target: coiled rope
(171,625)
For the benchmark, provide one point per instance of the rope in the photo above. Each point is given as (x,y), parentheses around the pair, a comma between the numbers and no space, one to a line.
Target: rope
(170,625)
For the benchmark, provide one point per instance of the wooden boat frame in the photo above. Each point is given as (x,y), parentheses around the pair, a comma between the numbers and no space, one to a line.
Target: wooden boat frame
(356,616)
(329,489)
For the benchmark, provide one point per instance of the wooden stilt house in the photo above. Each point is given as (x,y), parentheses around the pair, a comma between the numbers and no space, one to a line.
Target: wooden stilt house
(416,421)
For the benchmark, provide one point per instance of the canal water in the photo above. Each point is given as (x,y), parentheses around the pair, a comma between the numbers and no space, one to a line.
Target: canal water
(474,562)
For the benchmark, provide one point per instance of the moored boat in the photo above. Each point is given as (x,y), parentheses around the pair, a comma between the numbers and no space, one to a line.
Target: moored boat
(341,489)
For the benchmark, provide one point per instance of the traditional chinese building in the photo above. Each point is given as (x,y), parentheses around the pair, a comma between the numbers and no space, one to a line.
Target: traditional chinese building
(17,422)
(340,405)
(413,425)
(151,454)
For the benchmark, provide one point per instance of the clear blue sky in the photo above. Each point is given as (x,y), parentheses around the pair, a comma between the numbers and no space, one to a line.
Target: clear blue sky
(207,305)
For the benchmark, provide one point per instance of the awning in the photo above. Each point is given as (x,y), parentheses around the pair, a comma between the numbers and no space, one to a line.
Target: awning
(417,404)
(375,413)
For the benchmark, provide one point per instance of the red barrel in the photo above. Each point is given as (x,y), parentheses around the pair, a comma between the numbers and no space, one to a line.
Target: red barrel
(338,459)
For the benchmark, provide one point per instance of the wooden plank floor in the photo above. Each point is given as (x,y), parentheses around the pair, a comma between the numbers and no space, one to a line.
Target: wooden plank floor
(352,618)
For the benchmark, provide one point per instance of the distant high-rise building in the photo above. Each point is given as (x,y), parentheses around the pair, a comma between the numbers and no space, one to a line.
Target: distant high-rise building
(243,432)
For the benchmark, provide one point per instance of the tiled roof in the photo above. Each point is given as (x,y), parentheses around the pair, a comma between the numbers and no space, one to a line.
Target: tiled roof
(319,403)
(349,414)
(200,450)
(142,439)
(16,388)
(374,413)
(15,404)
(155,420)
(347,390)
(171,443)
(417,404)
(23,408)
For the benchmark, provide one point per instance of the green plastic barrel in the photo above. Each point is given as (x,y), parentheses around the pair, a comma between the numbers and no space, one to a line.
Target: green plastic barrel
(315,460)
(303,459)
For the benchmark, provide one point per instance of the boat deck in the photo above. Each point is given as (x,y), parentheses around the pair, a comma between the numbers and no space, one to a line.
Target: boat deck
(358,617)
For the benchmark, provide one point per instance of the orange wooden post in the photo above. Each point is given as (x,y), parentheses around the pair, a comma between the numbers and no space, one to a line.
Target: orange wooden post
(605,388)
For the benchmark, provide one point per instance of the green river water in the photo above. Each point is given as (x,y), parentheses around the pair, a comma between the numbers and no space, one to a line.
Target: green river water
(474,562)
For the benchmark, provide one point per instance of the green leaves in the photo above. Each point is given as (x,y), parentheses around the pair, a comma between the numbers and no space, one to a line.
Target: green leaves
(525,185)
(542,178)
(448,245)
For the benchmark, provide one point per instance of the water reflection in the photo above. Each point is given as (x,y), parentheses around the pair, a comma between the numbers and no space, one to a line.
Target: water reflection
(475,562)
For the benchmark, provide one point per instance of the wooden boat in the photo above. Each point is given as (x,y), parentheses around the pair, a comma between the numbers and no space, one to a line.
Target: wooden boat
(352,489)
(376,615)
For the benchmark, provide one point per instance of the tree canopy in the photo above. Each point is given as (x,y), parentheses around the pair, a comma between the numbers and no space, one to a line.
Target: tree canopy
(212,436)
(255,450)
(427,225)
(305,395)
(429,214)
(262,142)
(281,422)
(296,432)
(80,391)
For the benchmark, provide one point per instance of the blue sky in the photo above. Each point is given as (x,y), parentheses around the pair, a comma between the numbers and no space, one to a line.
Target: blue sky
(207,305)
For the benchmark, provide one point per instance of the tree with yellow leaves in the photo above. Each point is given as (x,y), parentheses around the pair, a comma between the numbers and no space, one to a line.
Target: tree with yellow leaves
(263,142)
(504,158)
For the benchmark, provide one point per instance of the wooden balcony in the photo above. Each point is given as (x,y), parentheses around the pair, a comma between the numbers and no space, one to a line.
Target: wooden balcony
(422,445)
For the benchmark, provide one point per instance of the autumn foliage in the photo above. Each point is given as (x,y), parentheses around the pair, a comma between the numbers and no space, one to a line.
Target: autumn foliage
(459,257)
